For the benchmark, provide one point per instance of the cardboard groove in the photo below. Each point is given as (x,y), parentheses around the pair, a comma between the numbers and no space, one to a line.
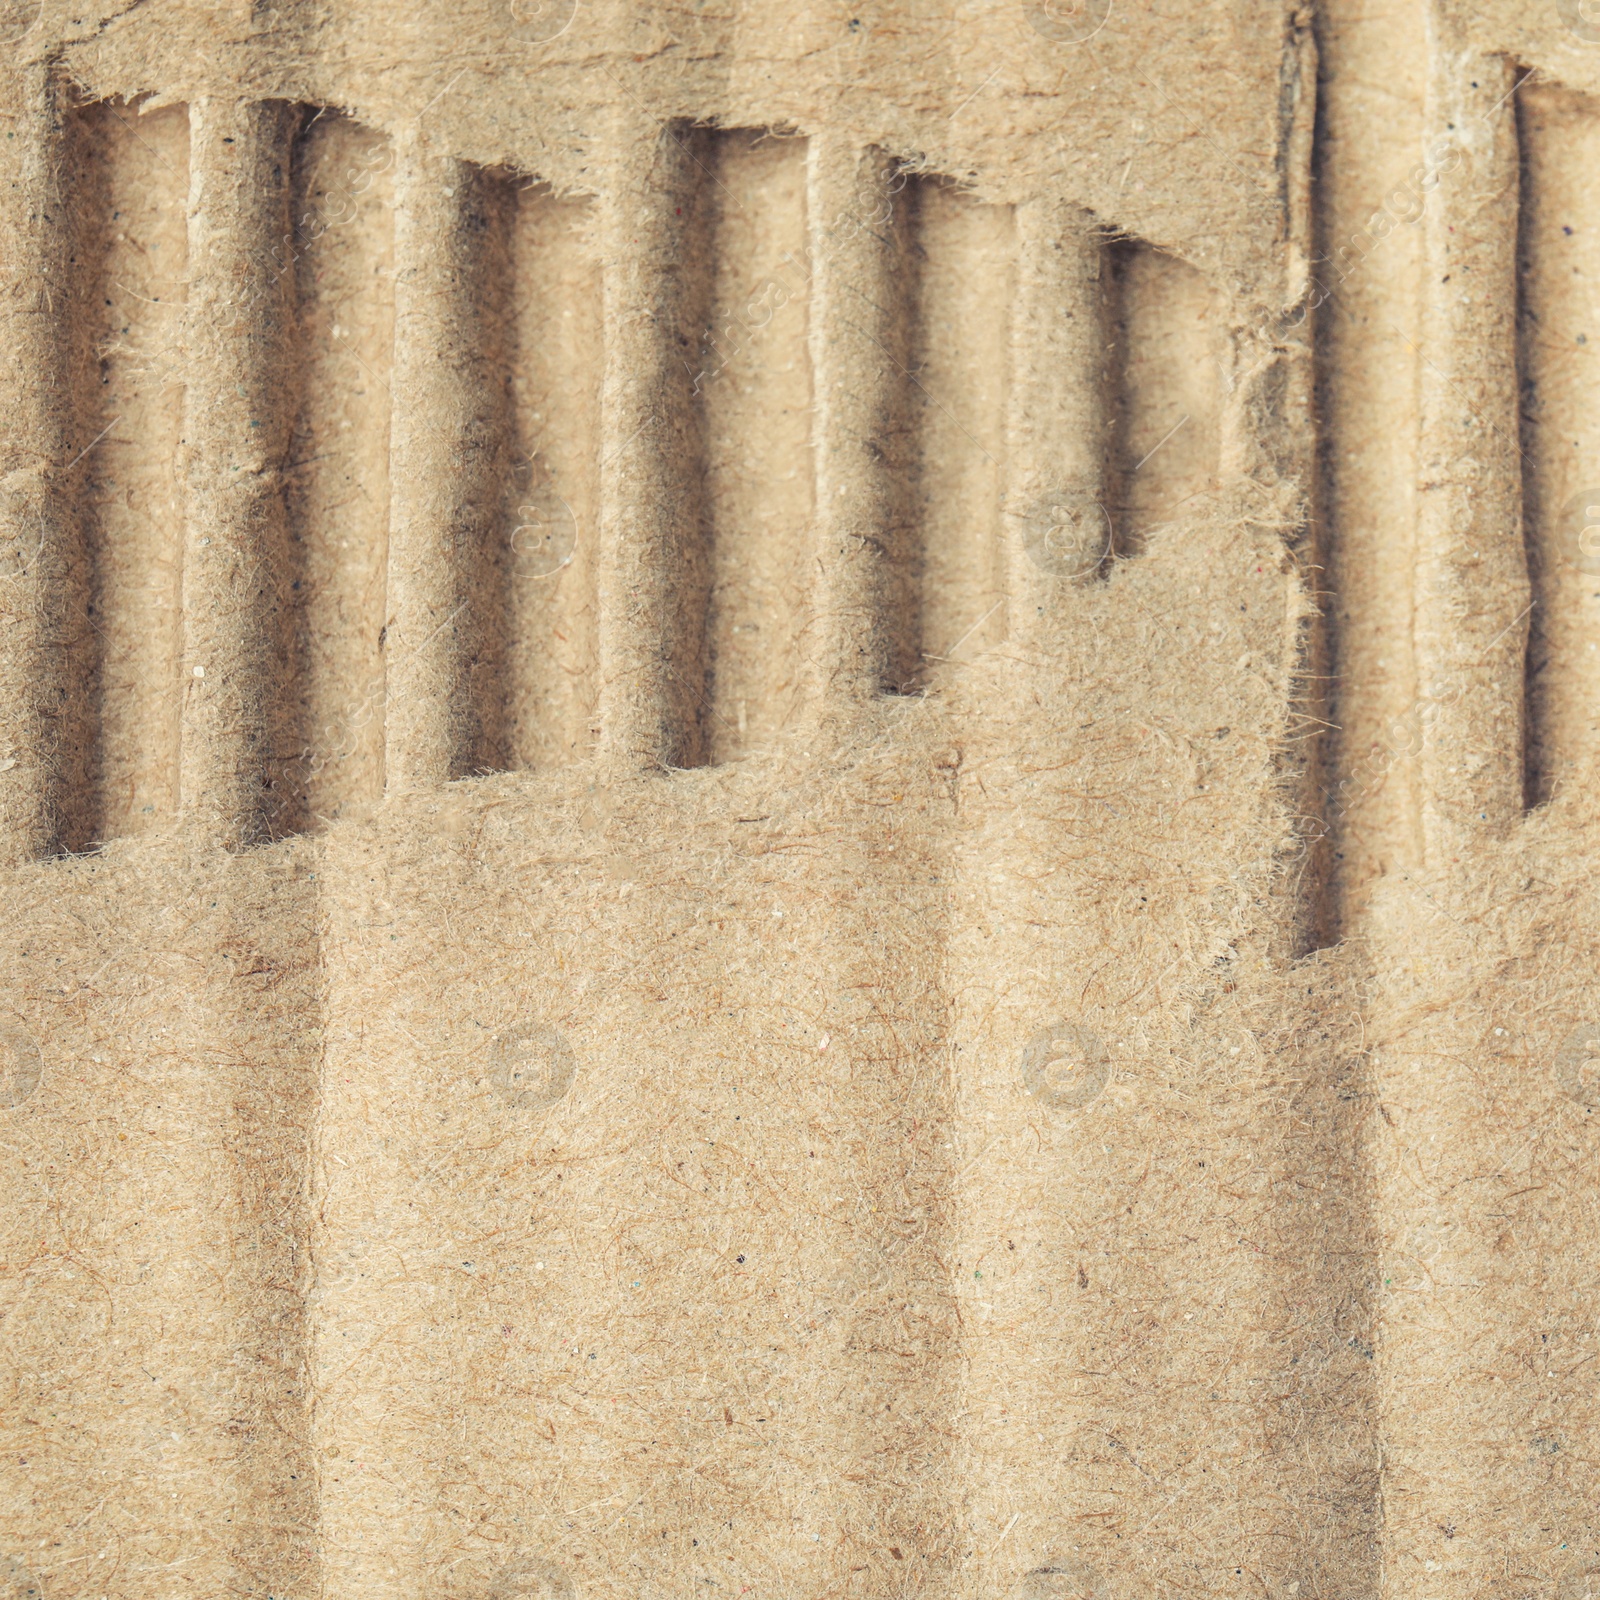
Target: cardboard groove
(966,248)
(755,387)
(1368,333)
(132,247)
(448,623)
(244,602)
(42,575)
(1557,129)
(1456,410)
(1472,589)
(1169,372)
(449,447)
(653,579)
(338,472)
(553,509)
(239,406)
(1058,429)
(859,327)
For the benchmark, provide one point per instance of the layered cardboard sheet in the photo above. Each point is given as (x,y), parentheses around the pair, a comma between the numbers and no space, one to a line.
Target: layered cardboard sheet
(799,801)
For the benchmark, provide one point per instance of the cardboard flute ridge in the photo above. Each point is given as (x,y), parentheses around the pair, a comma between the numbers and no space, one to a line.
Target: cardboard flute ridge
(796,801)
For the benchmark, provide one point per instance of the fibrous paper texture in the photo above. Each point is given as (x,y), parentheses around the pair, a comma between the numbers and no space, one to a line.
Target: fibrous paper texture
(797,801)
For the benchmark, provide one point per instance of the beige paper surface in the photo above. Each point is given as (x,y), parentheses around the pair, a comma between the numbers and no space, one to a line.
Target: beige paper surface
(798,801)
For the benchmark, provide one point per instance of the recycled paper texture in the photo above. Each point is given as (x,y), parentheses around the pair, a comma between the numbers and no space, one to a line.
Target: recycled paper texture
(798,801)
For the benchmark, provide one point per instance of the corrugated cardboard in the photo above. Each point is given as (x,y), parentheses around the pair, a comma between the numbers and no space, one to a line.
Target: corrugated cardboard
(797,801)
